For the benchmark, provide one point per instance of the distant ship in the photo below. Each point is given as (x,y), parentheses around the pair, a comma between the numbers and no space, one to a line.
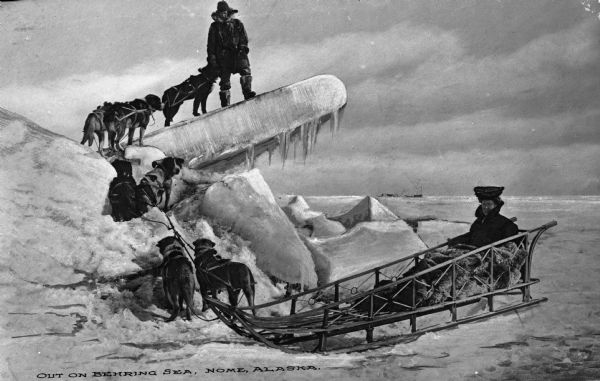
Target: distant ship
(414,195)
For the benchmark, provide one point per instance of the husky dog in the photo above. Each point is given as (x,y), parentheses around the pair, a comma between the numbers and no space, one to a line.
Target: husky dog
(97,123)
(156,183)
(178,277)
(214,273)
(131,115)
(196,87)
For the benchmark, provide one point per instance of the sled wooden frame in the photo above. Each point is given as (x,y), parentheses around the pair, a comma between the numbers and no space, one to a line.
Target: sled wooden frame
(331,314)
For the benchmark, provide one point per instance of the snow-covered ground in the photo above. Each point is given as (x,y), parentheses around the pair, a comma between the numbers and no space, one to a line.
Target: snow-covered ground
(62,319)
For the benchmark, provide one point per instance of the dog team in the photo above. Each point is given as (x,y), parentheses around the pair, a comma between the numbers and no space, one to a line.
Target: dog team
(227,54)
(211,272)
(129,200)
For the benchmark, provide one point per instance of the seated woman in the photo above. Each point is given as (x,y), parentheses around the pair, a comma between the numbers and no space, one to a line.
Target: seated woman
(490,226)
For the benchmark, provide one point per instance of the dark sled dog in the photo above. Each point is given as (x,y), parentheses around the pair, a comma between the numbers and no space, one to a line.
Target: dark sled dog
(127,116)
(121,192)
(177,277)
(216,274)
(196,87)
(157,183)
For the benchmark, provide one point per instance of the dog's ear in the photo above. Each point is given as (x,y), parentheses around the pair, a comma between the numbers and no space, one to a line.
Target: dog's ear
(162,244)
(165,163)
(166,241)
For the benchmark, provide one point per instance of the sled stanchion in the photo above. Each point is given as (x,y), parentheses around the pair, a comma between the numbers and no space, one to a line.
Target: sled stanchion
(323,335)
(371,309)
(413,317)
(336,295)
(490,298)
(453,309)
(293,306)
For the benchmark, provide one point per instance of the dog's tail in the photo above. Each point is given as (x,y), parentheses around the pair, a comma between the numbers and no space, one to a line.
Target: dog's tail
(89,128)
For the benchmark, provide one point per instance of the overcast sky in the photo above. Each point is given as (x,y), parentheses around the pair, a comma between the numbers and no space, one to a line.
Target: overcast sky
(447,94)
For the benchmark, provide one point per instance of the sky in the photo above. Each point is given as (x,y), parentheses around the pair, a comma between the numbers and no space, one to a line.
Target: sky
(443,95)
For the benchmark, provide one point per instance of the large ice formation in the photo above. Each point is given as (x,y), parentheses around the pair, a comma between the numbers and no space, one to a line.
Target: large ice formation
(298,211)
(245,204)
(220,140)
(313,223)
(366,245)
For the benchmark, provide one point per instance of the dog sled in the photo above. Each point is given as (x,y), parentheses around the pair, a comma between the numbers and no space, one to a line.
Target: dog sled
(399,291)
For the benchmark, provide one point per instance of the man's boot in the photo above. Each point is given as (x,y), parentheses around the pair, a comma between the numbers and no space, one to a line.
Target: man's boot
(246,82)
(225,96)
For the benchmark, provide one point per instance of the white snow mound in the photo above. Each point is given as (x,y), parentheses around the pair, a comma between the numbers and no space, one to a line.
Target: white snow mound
(368,209)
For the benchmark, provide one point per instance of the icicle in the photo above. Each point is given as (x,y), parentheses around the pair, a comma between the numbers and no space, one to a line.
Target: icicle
(313,134)
(340,116)
(317,130)
(270,150)
(251,156)
(305,131)
(334,122)
(307,137)
(288,137)
(295,139)
(282,148)
(332,119)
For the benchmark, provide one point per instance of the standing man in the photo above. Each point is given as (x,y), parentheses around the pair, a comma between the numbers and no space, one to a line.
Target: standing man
(227,50)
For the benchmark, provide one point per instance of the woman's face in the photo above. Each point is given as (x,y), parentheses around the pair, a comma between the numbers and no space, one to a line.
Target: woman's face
(487,206)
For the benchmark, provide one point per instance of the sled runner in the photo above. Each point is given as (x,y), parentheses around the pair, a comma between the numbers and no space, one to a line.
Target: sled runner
(411,289)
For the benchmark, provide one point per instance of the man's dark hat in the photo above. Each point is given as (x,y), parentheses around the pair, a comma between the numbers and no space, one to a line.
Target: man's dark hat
(203,242)
(488,193)
(222,6)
